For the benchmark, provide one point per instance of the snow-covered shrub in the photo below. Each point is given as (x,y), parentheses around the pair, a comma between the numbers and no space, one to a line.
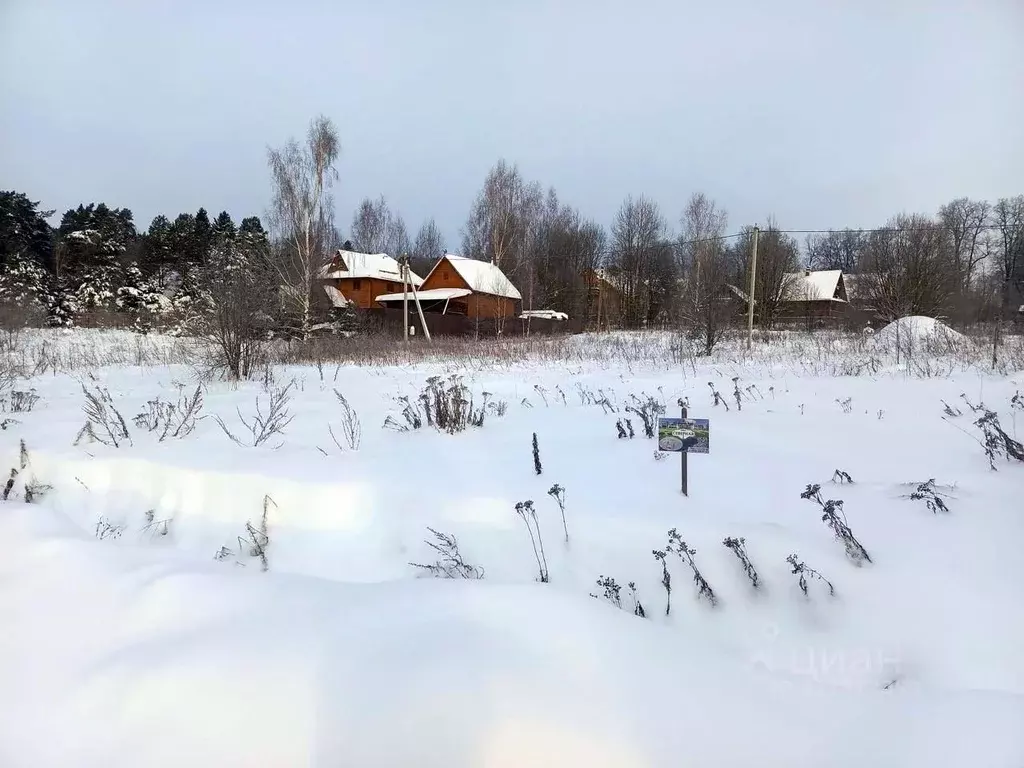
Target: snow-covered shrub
(528,515)
(738,548)
(19,401)
(666,578)
(802,571)
(932,498)
(257,538)
(264,426)
(648,409)
(611,591)
(685,553)
(351,429)
(108,530)
(995,441)
(450,564)
(638,607)
(839,476)
(833,517)
(103,422)
(174,420)
(719,400)
(557,492)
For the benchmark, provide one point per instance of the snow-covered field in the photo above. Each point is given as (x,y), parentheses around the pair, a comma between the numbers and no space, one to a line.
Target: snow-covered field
(139,626)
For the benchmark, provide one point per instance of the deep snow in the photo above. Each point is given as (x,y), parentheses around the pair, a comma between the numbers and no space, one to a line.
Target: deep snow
(144,650)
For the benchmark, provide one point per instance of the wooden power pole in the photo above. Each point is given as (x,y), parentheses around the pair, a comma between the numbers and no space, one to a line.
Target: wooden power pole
(750,295)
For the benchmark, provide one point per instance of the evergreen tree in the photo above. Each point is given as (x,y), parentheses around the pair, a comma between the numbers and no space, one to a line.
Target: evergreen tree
(158,255)
(93,241)
(24,233)
(202,238)
(251,226)
(223,228)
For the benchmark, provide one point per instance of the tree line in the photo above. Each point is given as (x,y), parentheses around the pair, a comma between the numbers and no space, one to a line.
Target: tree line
(966,262)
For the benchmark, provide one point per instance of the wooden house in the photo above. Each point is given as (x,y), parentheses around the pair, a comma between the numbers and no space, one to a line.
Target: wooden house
(814,295)
(461,286)
(356,279)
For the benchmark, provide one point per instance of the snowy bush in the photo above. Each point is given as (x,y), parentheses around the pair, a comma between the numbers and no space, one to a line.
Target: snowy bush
(648,409)
(450,564)
(528,515)
(103,422)
(801,570)
(264,426)
(351,430)
(995,441)
(666,578)
(685,553)
(932,498)
(174,420)
(447,405)
(557,492)
(833,517)
(738,548)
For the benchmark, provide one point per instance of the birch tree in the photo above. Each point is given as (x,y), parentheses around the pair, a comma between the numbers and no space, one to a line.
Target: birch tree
(703,261)
(303,212)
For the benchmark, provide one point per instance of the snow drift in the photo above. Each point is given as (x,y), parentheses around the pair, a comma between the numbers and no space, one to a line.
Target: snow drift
(125,657)
(917,332)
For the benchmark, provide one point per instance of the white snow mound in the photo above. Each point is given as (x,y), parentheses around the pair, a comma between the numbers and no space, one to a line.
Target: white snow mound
(919,331)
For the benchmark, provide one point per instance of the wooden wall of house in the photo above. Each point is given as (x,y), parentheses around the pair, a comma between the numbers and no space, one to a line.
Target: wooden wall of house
(367,291)
(479,306)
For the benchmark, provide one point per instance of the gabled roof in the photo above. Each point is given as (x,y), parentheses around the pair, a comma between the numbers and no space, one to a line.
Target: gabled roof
(822,285)
(480,276)
(379,266)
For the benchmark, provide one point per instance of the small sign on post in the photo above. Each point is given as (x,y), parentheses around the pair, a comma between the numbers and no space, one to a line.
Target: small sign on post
(684,436)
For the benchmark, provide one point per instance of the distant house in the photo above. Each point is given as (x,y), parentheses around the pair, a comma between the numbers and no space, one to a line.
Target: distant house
(356,279)
(604,298)
(461,286)
(816,295)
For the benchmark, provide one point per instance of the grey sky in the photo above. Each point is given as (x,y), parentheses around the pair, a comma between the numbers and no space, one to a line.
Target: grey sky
(825,113)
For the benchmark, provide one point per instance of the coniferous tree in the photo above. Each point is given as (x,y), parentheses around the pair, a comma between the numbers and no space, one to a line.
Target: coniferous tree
(223,228)
(24,233)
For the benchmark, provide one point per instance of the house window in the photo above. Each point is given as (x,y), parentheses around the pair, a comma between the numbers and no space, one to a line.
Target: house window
(357,285)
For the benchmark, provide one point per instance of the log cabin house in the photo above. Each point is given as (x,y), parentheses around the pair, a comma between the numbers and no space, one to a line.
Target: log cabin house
(814,295)
(461,286)
(356,279)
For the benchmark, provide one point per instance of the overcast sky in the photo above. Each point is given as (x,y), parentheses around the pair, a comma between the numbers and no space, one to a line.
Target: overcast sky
(824,113)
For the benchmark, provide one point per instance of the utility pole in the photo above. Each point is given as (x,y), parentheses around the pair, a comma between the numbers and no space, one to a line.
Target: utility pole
(750,295)
(405,299)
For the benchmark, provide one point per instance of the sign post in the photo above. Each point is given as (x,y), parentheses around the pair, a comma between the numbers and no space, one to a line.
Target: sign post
(684,436)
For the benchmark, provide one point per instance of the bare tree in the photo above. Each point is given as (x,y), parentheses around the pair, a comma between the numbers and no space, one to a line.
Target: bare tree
(370,225)
(498,228)
(777,261)
(1009,220)
(965,222)
(303,212)
(637,255)
(702,260)
(836,249)
(376,228)
(239,286)
(428,247)
(911,268)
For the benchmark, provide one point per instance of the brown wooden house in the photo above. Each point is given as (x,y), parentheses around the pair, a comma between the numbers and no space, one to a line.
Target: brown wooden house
(356,279)
(461,286)
(814,295)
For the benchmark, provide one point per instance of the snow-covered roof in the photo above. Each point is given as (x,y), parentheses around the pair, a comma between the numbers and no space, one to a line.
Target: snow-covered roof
(335,296)
(812,286)
(543,314)
(379,266)
(481,276)
(434,294)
